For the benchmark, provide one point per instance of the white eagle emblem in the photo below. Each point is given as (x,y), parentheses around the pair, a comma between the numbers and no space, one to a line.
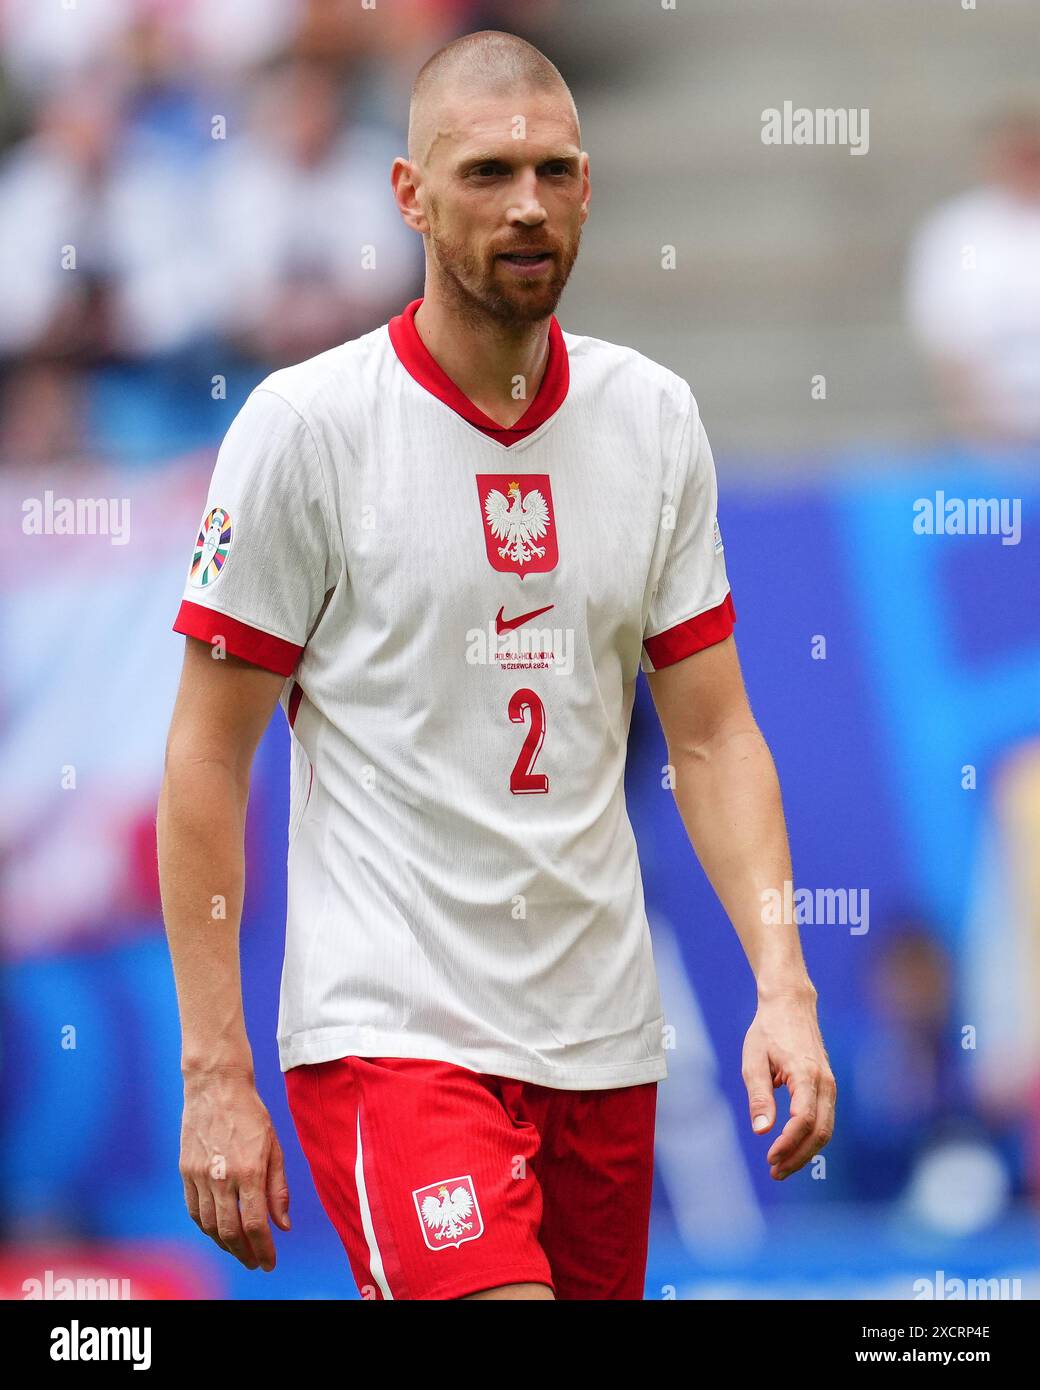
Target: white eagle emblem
(519,521)
(448,1212)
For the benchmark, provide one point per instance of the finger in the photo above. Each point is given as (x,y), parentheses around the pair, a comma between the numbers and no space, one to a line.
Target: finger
(826,1102)
(229,1225)
(207,1217)
(801,1156)
(826,1092)
(252,1206)
(795,1160)
(758,1078)
(821,1135)
(802,1121)
(191,1199)
(277,1186)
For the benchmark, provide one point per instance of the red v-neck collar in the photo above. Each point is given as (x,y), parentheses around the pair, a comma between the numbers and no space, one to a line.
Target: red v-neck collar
(420,363)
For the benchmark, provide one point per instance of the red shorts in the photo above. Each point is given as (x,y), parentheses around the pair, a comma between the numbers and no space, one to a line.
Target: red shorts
(443,1181)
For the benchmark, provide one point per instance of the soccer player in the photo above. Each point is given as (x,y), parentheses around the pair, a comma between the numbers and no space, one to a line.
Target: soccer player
(447,548)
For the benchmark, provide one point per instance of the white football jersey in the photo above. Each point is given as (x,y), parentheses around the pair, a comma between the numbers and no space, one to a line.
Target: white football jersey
(461,611)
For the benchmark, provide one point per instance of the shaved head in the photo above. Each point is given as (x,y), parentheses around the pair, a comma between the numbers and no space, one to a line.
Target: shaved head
(488,63)
(495,181)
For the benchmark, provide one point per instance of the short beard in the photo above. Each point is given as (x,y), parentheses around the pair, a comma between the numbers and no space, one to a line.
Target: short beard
(477,299)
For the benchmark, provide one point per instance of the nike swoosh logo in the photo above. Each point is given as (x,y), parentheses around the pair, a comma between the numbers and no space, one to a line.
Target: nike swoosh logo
(507,624)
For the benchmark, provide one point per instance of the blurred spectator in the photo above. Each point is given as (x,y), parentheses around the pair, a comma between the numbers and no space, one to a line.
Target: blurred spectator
(42,413)
(899,1084)
(45,45)
(202,189)
(100,249)
(103,258)
(973,290)
(310,246)
(51,191)
(1002,954)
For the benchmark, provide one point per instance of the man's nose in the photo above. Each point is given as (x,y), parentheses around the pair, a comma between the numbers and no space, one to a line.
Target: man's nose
(526,205)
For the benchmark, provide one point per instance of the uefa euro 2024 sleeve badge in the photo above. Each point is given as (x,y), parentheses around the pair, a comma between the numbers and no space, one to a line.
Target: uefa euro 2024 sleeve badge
(211,548)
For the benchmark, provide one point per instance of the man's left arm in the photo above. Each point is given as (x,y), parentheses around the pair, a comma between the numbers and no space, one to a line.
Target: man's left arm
(728,795)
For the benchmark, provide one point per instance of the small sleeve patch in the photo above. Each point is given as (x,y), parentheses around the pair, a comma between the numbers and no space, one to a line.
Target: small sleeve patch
(212,547)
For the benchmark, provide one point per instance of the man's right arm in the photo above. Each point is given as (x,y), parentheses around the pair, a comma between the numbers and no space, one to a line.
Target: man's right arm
(231,1162)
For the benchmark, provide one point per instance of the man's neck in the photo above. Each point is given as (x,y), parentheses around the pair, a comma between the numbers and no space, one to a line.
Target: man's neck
(484,359)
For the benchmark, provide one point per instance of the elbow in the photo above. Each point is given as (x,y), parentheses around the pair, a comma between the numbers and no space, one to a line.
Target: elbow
(707,743)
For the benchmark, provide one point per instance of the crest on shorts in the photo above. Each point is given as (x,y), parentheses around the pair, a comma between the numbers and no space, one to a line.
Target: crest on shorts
(211,547)
(448,1212)
(519,526)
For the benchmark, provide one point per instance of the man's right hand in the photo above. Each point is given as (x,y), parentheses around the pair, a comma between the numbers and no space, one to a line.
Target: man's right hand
(232,1166)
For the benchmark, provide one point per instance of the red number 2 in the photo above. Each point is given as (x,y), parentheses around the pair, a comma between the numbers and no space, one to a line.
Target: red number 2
(522,780)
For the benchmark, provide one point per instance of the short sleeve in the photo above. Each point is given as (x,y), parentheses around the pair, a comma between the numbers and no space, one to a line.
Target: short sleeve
(262,564)
(692,607)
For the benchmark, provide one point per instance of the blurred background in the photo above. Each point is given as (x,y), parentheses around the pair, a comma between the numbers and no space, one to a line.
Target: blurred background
(185,192)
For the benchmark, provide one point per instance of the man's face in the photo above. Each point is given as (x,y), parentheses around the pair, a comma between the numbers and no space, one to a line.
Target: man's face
(489,196)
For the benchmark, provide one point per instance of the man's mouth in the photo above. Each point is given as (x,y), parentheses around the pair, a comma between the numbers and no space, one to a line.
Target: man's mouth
(526,260)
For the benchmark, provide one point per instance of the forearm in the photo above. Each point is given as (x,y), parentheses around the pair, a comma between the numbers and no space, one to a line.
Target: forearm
(201,876)
(728,796)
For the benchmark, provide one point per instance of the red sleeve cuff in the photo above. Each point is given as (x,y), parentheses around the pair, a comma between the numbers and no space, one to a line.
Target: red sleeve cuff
(691,636)
(261,648)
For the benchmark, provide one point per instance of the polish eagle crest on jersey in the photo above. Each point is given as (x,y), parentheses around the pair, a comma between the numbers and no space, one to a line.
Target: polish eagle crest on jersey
(519,524)
(448,1212)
